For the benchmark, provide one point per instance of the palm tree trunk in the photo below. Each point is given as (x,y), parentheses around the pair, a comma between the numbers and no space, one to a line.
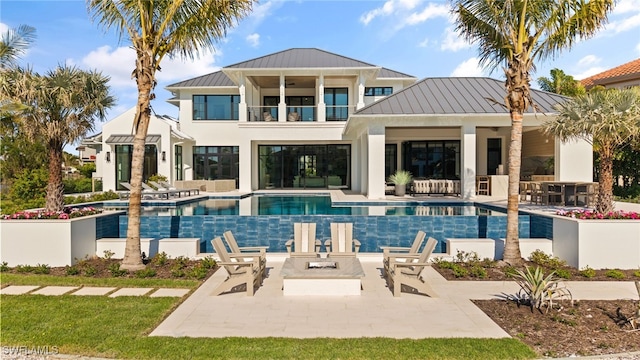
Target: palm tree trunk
(512,243)
(604,204)
(55,186)
(145,79)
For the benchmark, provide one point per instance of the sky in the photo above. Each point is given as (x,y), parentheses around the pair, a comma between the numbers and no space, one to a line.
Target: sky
(414,37)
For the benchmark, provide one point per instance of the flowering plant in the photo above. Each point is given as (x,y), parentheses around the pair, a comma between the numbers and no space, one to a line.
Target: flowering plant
(67,213)
(590,214)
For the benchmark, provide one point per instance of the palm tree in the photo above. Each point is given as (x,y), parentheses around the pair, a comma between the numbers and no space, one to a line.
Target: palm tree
(515,33)
(608,119)
(14,43)
(157,29)
(60,108)
(561,83)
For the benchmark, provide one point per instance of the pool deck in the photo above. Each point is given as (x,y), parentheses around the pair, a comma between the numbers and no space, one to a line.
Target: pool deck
(376,313)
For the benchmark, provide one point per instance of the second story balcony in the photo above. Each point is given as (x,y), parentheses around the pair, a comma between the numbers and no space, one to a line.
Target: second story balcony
(304,113)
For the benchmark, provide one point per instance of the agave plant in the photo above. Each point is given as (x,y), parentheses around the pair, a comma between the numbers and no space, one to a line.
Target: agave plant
(538,290)
(401,177)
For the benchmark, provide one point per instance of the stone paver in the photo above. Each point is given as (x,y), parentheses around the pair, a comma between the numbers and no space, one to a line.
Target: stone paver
(170,293)
(131,292)
(54,290)
(17,289)
(93,291)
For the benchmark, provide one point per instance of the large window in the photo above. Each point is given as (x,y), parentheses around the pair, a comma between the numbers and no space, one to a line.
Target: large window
(337,102)
(390,159)
(378,91)
(304,106)
(216,162)
(178,163)
(432,159)
(215,107)
(124,153)
(494,155)
(304,166)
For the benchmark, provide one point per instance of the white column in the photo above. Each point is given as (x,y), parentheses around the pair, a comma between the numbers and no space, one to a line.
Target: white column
(322,107)
(242,107)
(245,156)
(282,106)
(573,161)
(468,161)
(360,92)
(375,162)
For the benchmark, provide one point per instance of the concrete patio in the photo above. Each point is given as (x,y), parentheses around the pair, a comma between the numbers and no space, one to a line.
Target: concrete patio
(376,313)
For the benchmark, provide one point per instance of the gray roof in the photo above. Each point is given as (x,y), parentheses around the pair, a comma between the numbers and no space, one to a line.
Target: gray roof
(454,95)
(217,78)
(128,139)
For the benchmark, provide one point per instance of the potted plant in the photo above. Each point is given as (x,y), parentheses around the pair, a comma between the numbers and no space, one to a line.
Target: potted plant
(400,179)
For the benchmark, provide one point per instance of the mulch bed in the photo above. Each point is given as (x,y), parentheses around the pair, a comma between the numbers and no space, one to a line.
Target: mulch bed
(587,328)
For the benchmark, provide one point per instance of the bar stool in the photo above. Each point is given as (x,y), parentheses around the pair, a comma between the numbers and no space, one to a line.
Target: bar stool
(482,185)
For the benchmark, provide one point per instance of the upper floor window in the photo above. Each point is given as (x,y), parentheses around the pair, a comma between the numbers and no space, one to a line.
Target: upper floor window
(215,107)
(378,91)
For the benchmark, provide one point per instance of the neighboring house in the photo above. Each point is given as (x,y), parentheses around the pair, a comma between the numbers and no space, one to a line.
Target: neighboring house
(86,154)
(309,119)
(623,76)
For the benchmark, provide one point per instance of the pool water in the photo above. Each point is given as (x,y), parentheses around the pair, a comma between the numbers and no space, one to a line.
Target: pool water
(311,205)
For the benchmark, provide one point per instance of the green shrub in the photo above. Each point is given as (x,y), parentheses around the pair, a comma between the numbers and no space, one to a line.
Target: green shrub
(24,268)
(208,262)
(115,270)
(477,271)
(42,269)
(146,273)
(445,264)
(538,257)
(90,270)
(510,271)
(563,273)
(636,273)
(108,254)
(459,271)
(614,274)
(177,272)
(538,290)
(181,262)
(160,259)
(198,272)
(4,267)
(71,270)
(588,272)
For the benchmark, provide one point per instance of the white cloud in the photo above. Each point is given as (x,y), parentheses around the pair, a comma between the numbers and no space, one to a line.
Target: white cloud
(430,12)
(623,25)
(468,68)
(390,7)
(589,72)
(253,39)
(588,60)
(625,6)
(424,43)
(453,42)
(3,28)
(119,63)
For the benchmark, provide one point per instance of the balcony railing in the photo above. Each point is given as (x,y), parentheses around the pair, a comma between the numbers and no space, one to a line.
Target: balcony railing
(270,113)
(338,112)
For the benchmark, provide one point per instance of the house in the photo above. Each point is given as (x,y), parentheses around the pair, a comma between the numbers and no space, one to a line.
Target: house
(305,118)
(623,76)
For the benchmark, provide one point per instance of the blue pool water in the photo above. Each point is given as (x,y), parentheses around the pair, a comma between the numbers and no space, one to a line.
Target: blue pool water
(312,205)
(268,221)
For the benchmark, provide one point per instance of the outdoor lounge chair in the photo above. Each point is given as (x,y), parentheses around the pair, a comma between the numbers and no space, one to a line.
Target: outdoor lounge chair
(168,186)
(342,242)
(304,243)
(409,271)
(148,193)
(240,271)
(399,252)
(250,251)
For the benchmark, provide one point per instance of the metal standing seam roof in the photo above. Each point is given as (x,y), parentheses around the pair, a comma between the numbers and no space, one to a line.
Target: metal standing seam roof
(217,78)
(128,139)
(454,95)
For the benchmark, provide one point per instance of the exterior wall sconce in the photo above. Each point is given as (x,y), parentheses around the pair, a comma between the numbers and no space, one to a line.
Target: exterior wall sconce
(108,156)
(164,156)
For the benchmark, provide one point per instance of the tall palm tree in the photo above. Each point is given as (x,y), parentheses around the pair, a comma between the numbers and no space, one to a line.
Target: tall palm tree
(561,83)
(608,119)
(60,107)
(14,43)
(514,34)
(157,29)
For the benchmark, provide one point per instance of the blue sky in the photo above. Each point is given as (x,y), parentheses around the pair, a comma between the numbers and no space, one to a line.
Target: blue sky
(411,36)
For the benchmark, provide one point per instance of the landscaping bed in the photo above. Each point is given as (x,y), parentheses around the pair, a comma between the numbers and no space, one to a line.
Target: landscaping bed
(586,328)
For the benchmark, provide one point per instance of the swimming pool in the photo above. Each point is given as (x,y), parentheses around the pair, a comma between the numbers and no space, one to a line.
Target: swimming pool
(313,205)
(379,226)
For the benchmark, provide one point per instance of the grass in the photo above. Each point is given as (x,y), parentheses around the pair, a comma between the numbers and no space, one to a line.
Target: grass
(46,280)
(118,328)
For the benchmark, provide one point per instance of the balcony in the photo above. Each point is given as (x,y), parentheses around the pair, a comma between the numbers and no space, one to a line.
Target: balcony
(302,113)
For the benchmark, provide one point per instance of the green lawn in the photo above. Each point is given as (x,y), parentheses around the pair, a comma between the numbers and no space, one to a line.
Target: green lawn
(118,328)
(46,280)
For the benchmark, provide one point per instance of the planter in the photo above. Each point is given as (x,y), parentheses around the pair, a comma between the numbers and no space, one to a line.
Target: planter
(400,190)
(599,244)
(51,242)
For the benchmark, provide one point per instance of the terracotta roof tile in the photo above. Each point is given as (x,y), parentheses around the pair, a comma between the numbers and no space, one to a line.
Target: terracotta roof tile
(626,71)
